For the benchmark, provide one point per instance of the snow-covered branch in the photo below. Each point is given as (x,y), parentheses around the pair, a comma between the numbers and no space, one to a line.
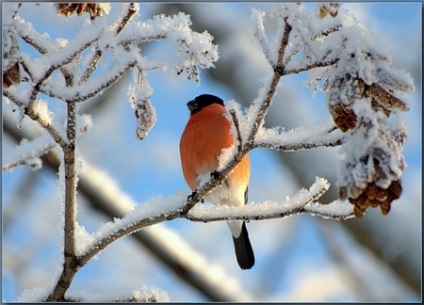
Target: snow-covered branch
(326,135)
(40,113)
(301,202)
(28,153)
(128,12)
(91,87)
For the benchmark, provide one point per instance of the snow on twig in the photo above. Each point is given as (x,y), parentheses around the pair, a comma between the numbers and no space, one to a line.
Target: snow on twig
(258,32)
(198,271)
(148,213)
(298,204)
(91,87)
(128,12)
(159,209)
(299,138)
(28,153)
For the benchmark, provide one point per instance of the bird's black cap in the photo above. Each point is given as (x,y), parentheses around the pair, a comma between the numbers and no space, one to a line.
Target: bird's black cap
(203,101)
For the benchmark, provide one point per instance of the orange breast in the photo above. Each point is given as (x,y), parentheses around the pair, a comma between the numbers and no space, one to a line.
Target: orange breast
(206,134)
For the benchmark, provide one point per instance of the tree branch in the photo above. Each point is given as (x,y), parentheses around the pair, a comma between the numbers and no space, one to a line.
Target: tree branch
(300,203)
(131,9)
(94,86)
(69,160)
(239,138)
(27,151)
(278,72)
(290,147)
(327,32)
(319,64)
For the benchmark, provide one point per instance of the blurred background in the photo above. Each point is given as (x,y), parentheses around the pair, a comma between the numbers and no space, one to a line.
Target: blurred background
(302,258)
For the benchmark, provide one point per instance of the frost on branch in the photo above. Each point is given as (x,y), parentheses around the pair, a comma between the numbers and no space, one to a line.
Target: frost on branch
(365,95)
(198,51)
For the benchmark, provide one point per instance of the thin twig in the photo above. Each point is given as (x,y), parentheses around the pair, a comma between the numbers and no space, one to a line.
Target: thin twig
(52,68)
(327,32)
(256,212)
(137,225)
(262,38)
(283,45)
(320,64)
(41,120)
(296,146)
(132,9)
(13,98)
(278,72)
(29,40)
(97,53)
(106,84)
(141,39)
(23,158)
(239,139)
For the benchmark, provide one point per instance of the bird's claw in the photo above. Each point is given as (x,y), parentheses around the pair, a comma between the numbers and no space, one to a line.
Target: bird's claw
(215,175)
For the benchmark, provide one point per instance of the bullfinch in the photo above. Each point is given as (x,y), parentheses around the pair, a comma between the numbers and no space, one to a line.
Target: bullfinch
(206,134)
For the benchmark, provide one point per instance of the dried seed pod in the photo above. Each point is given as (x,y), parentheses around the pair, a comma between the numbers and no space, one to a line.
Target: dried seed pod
(331,9)
(11,57)
(374,196)
(146,117)
(385,100)
(343,92)
(343,117)
(11,76)
(94,9)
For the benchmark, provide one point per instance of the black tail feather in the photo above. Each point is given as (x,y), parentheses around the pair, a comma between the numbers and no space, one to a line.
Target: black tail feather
(244,251)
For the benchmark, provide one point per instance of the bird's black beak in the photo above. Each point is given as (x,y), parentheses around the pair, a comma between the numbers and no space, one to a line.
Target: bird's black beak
(192,106)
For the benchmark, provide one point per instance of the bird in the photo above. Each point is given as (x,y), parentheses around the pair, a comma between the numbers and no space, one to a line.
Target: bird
(205,135)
